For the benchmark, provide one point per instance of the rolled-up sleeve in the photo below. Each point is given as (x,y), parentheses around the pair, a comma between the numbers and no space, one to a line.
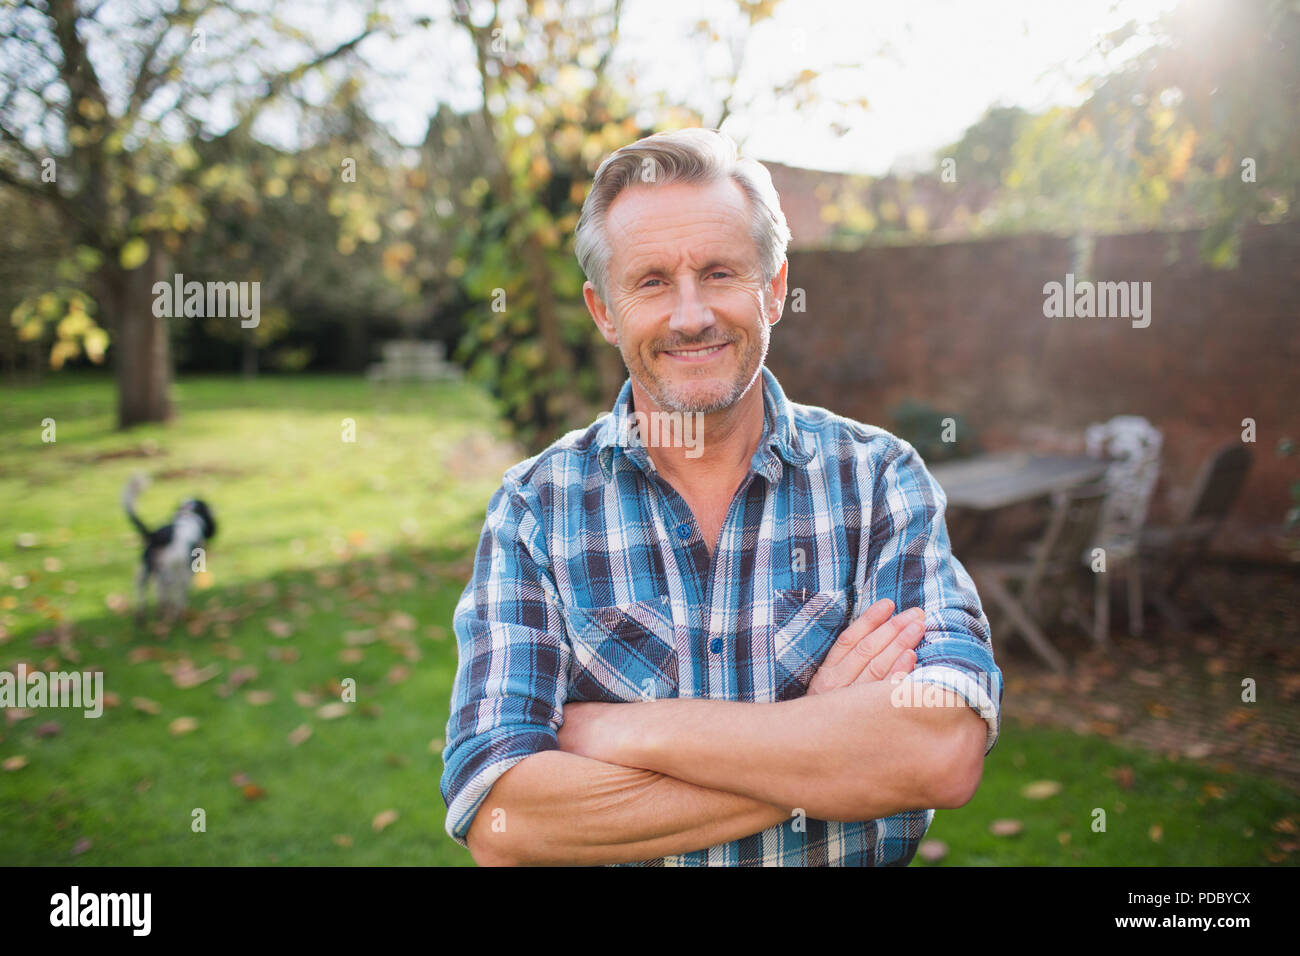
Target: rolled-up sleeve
(913,565)
(511,677)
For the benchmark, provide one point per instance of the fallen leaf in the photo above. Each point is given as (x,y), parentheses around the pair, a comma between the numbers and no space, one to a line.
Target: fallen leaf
(48,729)
(1158,710)
(333,710)
(932,851)
(305,698)
(1156,832)
(278,628)
(117,603)
(1040,789)
(252,791)
(383,819)
(183,725)
(1124,776)
(259,698)
(1198,751)
(351,655)
(16,762)
(146,705)
(185,675)
(1005,827)
(402,621)
(1238,717)
(1063,838)
(81,846)
(239,779)
(343,840)
(299,734)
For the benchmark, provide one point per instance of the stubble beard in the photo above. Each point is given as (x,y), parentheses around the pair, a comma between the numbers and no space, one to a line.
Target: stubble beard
(672,396)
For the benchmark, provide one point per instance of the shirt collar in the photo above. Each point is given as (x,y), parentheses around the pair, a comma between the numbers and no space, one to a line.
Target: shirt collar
(780,441)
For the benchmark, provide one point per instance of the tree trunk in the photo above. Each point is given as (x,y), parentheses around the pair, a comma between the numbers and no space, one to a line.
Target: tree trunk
(249,358)
(141,349)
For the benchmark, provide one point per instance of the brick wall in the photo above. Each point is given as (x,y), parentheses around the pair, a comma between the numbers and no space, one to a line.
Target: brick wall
(961,327)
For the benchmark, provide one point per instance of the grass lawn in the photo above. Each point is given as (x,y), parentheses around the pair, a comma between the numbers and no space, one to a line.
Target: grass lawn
(339,560)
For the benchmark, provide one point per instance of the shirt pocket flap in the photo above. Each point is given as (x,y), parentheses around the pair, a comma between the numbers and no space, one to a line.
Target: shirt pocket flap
(804,626)
(622,653)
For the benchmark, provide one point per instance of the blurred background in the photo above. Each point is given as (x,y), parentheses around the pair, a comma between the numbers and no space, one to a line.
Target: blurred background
(403,180)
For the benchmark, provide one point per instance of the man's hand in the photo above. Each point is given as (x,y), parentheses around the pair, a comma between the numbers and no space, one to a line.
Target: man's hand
(871,648)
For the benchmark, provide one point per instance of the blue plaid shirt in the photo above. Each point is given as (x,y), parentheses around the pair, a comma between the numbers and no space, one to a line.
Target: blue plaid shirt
(593,583)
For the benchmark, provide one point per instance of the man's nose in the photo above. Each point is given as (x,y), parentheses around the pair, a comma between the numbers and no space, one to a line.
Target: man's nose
(691,315)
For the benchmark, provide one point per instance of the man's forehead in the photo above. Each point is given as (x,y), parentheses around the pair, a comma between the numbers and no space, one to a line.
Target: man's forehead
(646,221)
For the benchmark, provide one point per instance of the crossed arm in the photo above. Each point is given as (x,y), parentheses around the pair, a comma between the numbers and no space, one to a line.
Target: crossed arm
(641,780)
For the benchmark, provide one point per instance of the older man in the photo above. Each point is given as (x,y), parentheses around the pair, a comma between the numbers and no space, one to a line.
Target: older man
(704,652)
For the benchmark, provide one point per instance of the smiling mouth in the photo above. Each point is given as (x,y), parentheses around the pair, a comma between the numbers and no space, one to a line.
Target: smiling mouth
(696,353)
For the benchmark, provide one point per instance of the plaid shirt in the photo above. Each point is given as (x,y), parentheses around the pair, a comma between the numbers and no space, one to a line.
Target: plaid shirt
(593,583)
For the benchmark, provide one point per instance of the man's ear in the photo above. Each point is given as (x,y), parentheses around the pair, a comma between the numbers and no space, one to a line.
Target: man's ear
(599,313)
(777,288)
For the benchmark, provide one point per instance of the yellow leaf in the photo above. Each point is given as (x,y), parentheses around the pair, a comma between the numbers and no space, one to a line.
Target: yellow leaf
(61,352)
(134,253)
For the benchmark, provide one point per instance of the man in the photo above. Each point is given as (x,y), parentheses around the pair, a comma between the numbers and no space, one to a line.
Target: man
(686,652)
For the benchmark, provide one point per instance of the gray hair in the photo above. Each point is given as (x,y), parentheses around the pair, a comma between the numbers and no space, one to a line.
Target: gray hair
(684,156)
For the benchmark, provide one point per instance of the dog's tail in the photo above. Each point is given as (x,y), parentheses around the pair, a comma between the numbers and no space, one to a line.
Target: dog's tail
(137,483)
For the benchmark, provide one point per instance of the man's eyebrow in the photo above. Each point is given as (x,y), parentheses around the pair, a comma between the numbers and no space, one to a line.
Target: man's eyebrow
(713,263)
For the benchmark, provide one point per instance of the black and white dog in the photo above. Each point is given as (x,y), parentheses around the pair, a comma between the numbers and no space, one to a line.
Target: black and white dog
(169,552)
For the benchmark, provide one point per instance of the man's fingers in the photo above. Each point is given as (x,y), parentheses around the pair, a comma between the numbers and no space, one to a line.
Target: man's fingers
(895,656)
(910,622)
(868,621)
(902,665)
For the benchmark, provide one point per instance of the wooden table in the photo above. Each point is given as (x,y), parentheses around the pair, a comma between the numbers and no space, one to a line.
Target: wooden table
(987,484)
(990,482)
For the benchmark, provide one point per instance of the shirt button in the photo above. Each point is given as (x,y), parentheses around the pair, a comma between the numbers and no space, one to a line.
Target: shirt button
(715,645)
(683,531)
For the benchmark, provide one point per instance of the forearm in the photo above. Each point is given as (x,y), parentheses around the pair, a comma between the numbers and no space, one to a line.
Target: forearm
(561,808)
(846,755)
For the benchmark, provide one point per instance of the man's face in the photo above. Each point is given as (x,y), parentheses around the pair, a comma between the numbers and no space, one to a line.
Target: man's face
(687,306)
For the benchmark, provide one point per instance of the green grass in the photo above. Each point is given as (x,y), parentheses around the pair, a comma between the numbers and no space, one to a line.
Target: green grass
(339,560)
(1157,811)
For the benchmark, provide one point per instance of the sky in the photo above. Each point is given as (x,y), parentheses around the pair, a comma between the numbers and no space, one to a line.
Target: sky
(928,69)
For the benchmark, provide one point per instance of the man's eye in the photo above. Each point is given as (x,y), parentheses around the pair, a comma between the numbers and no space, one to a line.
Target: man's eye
(648,281)
(719,273)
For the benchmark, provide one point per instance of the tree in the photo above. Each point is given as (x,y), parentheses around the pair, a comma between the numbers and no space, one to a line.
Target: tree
(102,108)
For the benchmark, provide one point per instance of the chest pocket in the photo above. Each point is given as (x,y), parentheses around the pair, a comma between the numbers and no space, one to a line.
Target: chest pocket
(804,626)
(623,653)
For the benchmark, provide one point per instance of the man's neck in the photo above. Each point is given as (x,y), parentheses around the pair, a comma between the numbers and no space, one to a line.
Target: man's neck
(720,444)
